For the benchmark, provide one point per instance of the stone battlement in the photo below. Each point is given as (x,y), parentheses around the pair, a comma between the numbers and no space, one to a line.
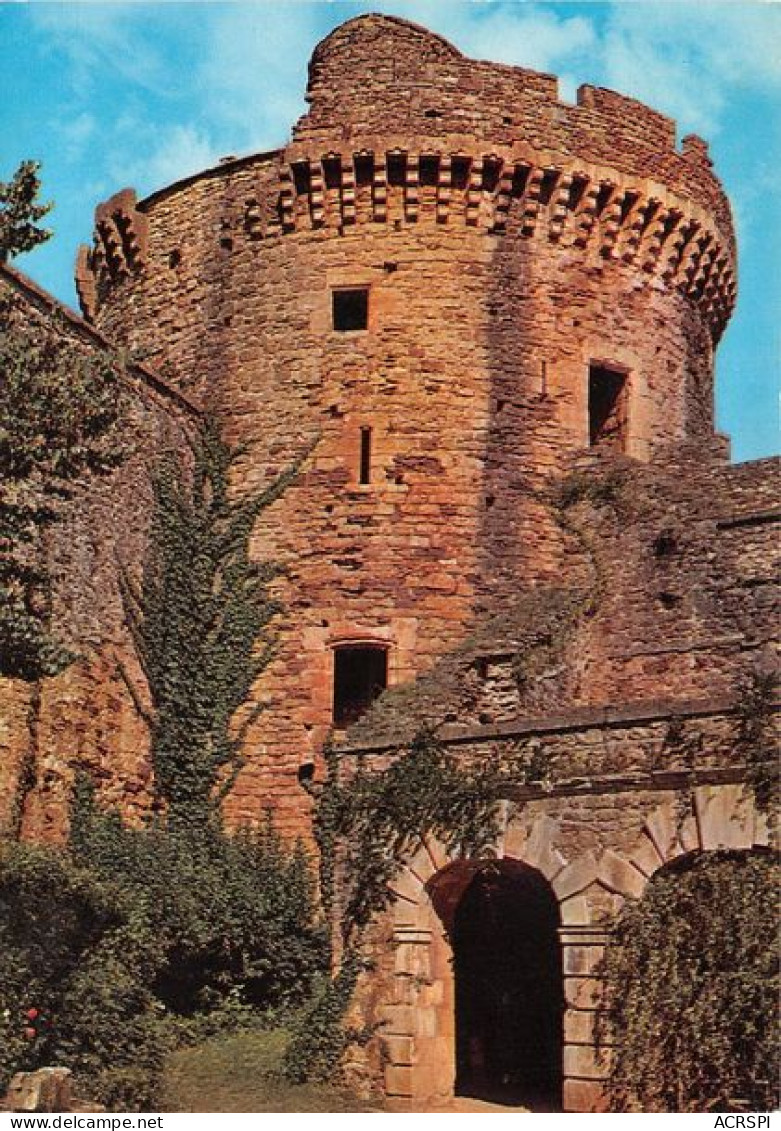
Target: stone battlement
(428,140)
(376,73)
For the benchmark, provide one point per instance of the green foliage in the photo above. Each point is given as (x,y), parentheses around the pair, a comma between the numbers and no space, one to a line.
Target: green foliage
(20,212)
(199,620)
(691,990)
(320,1038)
(369,825)
(229,913)
(601,488)
(59,414)
(243,1072)
(148,937)
(138,940)
(757,738)
(74,951)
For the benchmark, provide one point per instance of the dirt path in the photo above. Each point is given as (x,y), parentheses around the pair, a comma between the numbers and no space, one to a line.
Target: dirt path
(462,1105)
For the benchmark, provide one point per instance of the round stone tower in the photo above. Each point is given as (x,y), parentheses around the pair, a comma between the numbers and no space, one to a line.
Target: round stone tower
(446,284)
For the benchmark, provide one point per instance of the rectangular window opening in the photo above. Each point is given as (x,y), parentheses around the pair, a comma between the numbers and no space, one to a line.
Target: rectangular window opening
(351,309)
(365,468)
(360,675)
(607,401)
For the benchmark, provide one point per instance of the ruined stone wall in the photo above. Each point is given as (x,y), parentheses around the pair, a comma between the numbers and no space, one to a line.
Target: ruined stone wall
(504,250)
(628,792)
(85,718)
(670,592)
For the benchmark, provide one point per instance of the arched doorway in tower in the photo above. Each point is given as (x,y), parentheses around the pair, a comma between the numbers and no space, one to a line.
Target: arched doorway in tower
(508,987)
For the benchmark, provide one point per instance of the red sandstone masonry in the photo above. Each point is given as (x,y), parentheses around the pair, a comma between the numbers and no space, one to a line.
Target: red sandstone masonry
(85,718)
(508,240)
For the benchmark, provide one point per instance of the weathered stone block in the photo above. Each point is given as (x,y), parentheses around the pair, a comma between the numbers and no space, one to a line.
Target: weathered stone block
(580,1061)
(398,1080)
(583,1096)
(618,875)
(399,1050)
(46,1089)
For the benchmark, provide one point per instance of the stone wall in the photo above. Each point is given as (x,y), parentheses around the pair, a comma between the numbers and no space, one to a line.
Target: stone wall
(623,802)
(85,717)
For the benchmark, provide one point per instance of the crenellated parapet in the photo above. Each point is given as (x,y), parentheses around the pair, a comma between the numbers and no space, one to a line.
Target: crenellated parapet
(380,74)
(118,250)
(594,212)
(404,131)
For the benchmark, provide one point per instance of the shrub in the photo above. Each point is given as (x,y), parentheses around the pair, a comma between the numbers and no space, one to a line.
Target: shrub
(77,963)
(230,913)
(691,990)
(131,942)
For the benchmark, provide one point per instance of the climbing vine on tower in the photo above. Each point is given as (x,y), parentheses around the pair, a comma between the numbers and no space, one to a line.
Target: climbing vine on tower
(200,619)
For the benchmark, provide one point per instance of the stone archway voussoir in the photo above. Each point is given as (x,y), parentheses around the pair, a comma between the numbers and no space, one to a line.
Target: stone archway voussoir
(575,877)
(575,912)
(723,817)
(437,851)
(646,856)
(407,886)
(515,839)
(421,865)
(661,828)
(619,876)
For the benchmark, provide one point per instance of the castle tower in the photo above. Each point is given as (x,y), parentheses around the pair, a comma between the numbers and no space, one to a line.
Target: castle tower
(449,282)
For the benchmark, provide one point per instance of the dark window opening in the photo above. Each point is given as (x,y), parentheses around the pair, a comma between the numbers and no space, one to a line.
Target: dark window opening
(428,170)
(332,170)
(549,180)
(460,172)
(360,675)
(665,544)
(603,198)
(351,309)
(607,395)
(364,170)
(397,169)
(302,178)
(576,192)
(520,179)
(365,469)
(627,204)
(490,180)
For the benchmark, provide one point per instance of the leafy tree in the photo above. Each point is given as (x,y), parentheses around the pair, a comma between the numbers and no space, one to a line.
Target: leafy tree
(59,411)
(20,212)
(691,990)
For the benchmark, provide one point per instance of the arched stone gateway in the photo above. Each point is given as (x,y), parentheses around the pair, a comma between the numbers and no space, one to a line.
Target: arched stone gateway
(509,995)
(425,1023)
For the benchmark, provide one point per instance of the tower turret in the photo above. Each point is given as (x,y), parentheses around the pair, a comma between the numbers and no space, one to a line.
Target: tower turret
(452,281)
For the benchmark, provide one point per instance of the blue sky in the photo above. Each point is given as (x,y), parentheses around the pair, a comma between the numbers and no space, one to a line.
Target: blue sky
(109,95)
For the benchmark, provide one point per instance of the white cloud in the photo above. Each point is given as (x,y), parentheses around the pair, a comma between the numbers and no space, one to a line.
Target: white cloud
(98,38)
(76,134)
(161,155)
(689,59)
(251,84)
